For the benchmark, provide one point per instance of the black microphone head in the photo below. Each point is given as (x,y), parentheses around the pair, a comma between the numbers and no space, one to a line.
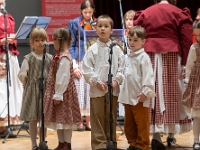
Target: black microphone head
(113,43)
(46,44)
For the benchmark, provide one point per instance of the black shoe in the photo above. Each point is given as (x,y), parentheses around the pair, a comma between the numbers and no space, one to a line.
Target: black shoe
(170,140)
(137,149)
(196,146)
(156,145)
(131,148)
(87,128)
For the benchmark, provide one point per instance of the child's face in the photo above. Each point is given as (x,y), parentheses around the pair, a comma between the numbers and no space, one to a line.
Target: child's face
(87,13)
(38,44)
(129,22)
(104,29)
(135,43)
(56,43)
(197,34)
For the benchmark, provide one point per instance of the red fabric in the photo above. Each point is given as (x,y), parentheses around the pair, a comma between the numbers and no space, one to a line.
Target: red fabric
(169,29)
(68,112)
(193,38)
(10,29)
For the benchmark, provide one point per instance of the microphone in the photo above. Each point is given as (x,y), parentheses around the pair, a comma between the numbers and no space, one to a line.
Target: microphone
(3,10)
(46,44)
(113,43)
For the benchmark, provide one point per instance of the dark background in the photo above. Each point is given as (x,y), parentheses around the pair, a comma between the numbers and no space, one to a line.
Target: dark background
(20,8)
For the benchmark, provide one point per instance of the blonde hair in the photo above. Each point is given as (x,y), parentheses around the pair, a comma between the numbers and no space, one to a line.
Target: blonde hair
(38,33)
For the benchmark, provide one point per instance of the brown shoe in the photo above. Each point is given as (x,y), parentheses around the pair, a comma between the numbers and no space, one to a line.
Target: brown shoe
(65,146)
(69,146)
(60,146)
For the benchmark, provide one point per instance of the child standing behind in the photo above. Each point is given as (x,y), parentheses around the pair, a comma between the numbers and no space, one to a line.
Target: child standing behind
(61,109)
(191,95)
(29,75)
(136,90)
(128,20)
(95,71)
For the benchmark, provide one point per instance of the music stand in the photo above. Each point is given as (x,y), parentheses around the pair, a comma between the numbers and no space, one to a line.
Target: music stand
(28,23)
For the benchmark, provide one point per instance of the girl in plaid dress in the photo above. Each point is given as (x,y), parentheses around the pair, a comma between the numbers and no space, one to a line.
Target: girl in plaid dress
(29,75)
(191,95)
(61,108)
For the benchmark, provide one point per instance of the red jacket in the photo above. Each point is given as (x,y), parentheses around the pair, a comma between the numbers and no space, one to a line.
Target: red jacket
(169,29)
(10,29)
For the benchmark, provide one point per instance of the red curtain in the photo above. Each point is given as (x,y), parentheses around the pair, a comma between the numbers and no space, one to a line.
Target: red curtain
(112,7)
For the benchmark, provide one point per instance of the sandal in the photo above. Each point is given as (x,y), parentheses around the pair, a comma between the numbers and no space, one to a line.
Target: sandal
(35,148)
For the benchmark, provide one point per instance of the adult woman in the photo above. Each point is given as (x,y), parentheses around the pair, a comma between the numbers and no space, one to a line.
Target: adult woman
(16,89)
(77,26)
(168,41)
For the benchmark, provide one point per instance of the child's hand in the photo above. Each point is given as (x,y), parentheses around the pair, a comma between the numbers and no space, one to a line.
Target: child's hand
(56,102)
(102,86)
(183,73)
(142,97)
(77,73)
(114,85)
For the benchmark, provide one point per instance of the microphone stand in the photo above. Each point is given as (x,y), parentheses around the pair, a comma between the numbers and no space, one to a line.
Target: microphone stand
(9,133)
(111,145)
(123,27)
(43,143)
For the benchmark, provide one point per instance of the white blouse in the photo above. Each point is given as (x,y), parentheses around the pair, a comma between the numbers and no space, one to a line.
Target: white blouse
(138,78)
(62,75)
(190,62)
(96,67)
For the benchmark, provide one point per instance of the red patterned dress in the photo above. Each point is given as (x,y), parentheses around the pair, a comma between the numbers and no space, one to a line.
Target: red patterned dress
(191,95)
(67,113)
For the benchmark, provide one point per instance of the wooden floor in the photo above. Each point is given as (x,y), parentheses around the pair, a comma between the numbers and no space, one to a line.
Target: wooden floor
(81,141)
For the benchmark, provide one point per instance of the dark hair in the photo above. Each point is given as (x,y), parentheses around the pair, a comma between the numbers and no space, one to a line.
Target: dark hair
(139,31)
(173,2)
(86,4)
(62,34)
(106,17)
(196,24)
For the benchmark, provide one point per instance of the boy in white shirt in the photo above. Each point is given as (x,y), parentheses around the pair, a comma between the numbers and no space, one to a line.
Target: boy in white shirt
(95,71)
(136,90)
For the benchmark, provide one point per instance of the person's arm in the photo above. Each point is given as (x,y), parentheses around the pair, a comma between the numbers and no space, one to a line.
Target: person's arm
(23,72)
(62,78)
(118,78)
(148,81)
(88,69)
(190,63)
(185,34)
(73,28)
(138,18)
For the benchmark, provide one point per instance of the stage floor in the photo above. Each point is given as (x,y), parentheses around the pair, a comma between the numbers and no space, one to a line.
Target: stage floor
(81,141)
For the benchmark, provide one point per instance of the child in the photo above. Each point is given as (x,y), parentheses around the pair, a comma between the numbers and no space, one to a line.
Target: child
(29,75)
(128,19)
(191,98)
(136,90)
(95,70)
(61,109)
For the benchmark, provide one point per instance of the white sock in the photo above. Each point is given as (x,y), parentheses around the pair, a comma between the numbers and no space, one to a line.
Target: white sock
(196,129)
(68,135)
(157,137)
(60,134)
(33,132)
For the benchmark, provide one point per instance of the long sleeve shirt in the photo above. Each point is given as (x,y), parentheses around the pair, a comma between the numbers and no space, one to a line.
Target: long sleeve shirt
(138,78)
(96,67)
(190,62)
